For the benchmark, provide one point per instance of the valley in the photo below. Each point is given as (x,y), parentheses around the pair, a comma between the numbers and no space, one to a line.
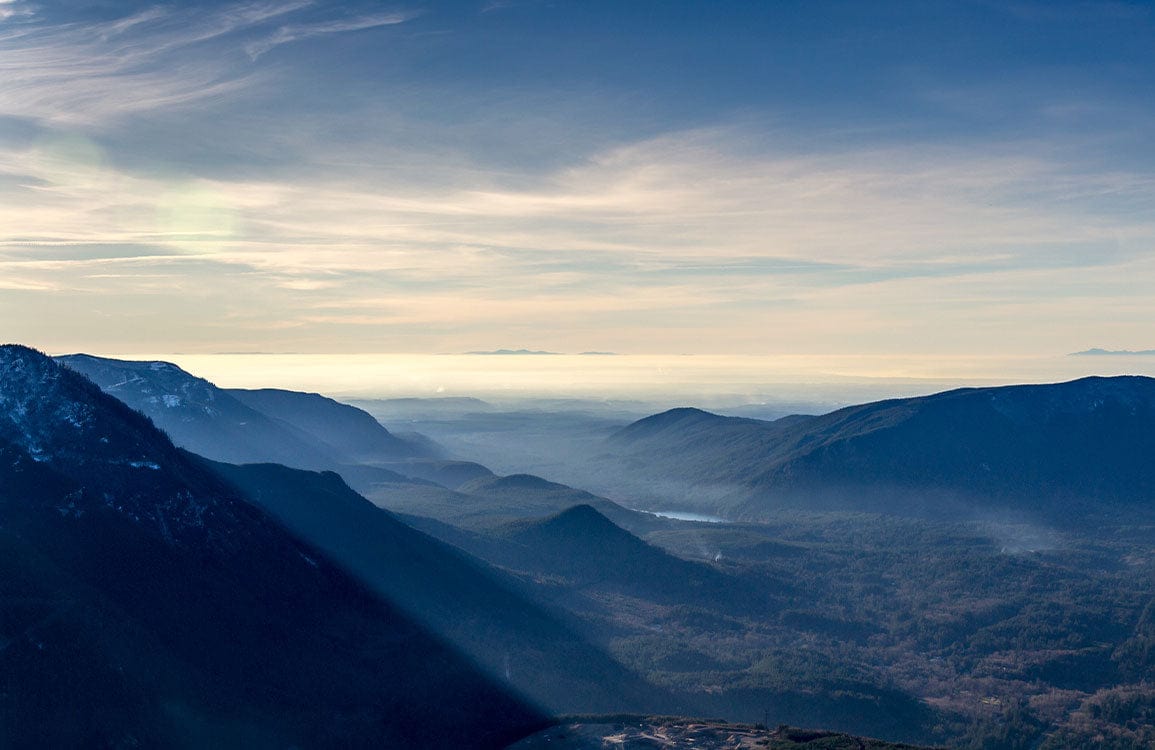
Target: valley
(936,621)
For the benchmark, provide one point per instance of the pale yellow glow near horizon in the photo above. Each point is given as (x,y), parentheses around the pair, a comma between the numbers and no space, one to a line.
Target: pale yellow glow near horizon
(661,377)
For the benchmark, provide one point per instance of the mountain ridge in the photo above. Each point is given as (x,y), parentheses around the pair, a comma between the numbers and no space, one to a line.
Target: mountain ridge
(1077,442)
(293,428)
(145,602)
(358,437)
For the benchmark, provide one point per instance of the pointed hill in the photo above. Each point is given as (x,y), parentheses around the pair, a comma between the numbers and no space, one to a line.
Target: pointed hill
(145,602)
(672,423)
(584,548)
(516,483)
(517,496)
(1054,450)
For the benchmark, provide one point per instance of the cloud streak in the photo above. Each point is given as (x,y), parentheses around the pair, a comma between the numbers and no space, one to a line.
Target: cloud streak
(13,9)
(295,32)
(158,59)
(679,232)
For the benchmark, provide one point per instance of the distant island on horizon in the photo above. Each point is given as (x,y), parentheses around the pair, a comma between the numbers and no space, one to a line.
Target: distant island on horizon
(1113,353)
(531,352)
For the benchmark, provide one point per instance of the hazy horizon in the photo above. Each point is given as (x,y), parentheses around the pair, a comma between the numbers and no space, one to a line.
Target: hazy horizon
(660,379)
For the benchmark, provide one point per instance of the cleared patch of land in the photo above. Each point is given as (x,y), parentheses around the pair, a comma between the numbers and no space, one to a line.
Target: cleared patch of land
(670,733)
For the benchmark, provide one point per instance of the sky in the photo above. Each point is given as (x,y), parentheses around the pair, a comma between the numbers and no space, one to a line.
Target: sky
(931,178)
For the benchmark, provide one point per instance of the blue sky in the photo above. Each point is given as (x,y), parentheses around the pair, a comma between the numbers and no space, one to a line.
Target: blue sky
(919,178)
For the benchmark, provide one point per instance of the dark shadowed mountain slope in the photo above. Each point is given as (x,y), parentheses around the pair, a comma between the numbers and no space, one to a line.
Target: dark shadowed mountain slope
(1043,449)
(353,433)
(480,610)
(143,602)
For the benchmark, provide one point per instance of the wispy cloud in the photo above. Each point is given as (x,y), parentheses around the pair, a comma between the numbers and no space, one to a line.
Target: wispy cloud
(687,197)
(157,59)
(682,232)
(294,32)
(13,9)
(678,199)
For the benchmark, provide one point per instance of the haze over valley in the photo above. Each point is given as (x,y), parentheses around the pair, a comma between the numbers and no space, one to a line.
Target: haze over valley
(942,599)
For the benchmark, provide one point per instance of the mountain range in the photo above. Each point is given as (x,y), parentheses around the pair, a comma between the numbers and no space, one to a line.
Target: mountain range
(310,431)
(150,595)
(147,602)
(1056,451)
(1114,352)
(301,430)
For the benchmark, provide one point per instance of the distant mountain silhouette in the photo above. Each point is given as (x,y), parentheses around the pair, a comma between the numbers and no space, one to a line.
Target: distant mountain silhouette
(514,352)
(1052,450)
(1113,352)
(145,602)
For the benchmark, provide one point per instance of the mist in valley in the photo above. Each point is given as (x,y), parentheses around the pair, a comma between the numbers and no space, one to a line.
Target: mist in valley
(948,594)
